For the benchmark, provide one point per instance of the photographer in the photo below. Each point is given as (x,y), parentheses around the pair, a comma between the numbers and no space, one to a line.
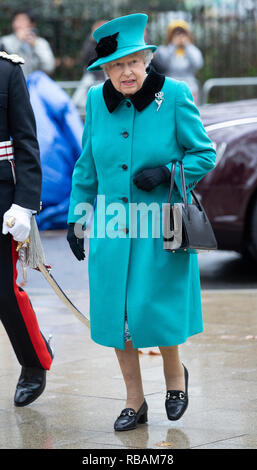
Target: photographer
(25,42)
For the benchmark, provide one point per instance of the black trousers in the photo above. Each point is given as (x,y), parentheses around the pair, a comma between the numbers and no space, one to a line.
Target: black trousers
(16,311)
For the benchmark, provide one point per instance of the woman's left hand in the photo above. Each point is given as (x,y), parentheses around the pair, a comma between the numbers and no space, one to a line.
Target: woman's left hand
(152,177)
(75,239)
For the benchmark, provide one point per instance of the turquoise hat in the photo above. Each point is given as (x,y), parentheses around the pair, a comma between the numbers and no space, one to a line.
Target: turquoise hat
(118,38)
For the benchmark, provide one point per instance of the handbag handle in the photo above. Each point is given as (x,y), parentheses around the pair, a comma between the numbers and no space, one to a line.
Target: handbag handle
(183,185)
(172,181)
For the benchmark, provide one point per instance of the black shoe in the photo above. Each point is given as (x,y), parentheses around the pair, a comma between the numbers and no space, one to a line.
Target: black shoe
(31,384)
(129,418)
(177,401)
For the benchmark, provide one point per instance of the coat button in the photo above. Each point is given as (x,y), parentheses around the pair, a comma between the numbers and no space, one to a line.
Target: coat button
(125,199)
(125,134)
(125,167)
(128,104)
(126,230)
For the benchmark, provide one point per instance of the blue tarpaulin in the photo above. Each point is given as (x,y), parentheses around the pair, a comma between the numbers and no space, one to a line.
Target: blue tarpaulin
(59,132)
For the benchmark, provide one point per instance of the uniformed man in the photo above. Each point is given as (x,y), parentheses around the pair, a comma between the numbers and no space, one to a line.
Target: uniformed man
(20,191)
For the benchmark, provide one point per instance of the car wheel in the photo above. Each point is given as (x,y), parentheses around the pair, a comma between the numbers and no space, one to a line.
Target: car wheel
(252,246)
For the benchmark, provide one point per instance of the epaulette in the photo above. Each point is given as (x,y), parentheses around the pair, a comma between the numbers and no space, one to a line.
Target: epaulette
(16,59)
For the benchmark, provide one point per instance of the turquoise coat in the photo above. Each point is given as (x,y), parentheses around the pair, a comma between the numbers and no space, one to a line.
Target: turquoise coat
(160,290)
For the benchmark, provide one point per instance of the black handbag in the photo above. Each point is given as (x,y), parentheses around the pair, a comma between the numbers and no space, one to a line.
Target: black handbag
(189,227)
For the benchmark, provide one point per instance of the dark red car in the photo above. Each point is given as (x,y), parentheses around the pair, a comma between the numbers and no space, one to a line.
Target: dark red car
(229,192)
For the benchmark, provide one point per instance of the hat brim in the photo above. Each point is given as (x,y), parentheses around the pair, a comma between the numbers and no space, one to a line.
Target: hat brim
(118,54)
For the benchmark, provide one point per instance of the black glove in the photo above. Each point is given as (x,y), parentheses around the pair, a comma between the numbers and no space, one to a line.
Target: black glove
(152,177)
(76,241)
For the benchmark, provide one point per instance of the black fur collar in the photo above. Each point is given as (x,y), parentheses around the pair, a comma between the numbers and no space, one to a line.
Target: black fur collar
(142,98)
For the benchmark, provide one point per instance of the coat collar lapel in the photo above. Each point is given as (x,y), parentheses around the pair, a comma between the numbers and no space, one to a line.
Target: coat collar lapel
(142,98)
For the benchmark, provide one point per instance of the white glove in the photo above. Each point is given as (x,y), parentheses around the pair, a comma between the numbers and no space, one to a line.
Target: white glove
(20,230)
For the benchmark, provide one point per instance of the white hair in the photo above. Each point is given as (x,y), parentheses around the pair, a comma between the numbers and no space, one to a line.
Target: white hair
(147,55)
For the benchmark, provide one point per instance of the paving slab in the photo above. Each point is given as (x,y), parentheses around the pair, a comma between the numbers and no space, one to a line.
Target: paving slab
(85,390)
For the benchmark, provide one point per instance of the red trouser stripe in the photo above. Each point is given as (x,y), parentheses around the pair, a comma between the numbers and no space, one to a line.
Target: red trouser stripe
(29,316)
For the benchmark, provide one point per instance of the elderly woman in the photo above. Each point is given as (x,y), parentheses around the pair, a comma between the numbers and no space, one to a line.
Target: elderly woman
(141,296)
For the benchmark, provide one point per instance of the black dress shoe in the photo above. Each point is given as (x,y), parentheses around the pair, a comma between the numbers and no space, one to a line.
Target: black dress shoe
(129,418)
(177,401)
(31,384)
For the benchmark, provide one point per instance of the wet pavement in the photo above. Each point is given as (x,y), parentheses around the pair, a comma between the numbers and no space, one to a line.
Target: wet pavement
(85,390)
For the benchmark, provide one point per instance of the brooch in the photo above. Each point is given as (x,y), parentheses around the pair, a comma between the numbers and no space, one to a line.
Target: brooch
(159,99)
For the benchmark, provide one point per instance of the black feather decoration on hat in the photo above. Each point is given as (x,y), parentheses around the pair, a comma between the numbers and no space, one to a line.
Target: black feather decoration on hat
(105,47)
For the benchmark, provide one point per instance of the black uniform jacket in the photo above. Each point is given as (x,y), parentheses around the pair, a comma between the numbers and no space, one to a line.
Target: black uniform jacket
(17,122)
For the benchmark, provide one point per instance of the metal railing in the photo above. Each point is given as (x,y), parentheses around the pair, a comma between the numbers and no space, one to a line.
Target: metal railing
(204,92)
(68,85)
(224,82)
